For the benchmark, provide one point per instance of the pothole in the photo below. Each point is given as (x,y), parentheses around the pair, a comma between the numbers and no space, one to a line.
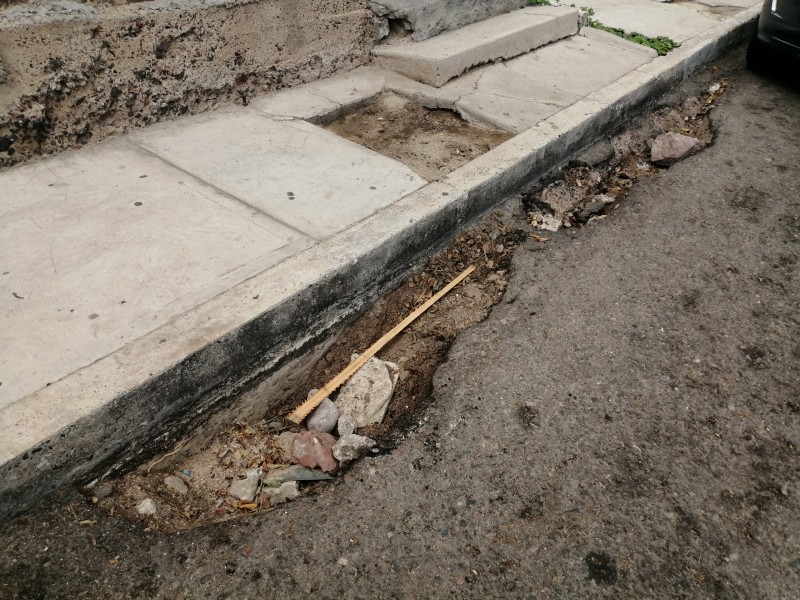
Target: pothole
(179,490)
(431,142)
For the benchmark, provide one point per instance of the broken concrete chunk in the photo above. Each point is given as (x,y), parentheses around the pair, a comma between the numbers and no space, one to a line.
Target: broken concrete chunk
(146,507)
(594,208)
(176,484)
(314,449)
(295,473)
(102,491)
(286,444)
(351,446)
(669,148)
(347,424)
(549,223)
(324,417)
(605,198)
(366,394)
(245,489)
(287,491)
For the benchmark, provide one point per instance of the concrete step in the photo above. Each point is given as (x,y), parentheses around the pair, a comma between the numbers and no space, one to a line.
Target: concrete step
(426,18)
(437,60)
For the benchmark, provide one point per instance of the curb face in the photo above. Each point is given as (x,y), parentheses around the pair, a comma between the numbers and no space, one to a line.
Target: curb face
(138,401)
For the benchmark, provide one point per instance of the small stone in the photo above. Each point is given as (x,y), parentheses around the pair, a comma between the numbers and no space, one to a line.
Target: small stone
(605,198)
(295,473)
(245,489)
(669,148)
(324,417)
(176,484)
(286,444)
(287,491)
(367,393)
(351,446)
(594,208)
(347,424)
(549,223)
(103,491)
(146,507)
(314,449)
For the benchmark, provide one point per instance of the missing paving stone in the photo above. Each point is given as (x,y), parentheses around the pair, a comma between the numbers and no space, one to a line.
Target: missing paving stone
(431,142)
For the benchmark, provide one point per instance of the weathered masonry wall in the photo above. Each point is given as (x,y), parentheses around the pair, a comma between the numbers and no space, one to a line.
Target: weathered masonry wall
(78,72)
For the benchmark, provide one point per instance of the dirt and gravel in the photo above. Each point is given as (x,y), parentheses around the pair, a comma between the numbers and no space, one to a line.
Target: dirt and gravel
(623,424)
(431,142)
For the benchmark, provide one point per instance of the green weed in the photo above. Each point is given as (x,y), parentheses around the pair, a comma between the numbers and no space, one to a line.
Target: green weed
(660,44)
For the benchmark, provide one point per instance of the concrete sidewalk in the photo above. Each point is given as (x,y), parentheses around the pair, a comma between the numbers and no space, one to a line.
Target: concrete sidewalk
(152,279)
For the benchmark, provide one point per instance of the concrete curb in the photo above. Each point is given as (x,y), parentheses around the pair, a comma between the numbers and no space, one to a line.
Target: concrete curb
(174,378)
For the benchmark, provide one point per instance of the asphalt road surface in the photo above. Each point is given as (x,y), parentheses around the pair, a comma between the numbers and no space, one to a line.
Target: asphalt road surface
(626,424)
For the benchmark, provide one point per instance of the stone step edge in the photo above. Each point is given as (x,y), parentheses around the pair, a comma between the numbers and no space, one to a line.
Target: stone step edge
(439,59)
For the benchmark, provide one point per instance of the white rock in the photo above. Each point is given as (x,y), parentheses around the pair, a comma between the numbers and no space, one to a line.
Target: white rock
(351,446)
(550,223)
(146,507)
(245,489)
(176,484)
(324,417)
(287,491)
(347,424)
(366,394)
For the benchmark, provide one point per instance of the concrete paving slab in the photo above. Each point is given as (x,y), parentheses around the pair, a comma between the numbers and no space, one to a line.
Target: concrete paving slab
(291,170)
(652,19)
(323,101)
(115,244)
(437,60)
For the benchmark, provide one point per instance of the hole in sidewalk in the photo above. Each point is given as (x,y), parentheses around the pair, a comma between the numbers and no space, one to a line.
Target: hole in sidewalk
(431,142)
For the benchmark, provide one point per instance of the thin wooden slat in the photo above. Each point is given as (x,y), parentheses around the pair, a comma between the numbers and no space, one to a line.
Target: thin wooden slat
(302,411)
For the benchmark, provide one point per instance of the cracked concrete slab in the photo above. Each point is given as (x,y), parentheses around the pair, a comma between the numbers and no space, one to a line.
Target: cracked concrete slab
(516,94)
(115,243)
(323,101)
(652,19)
(437,60)
(295,172)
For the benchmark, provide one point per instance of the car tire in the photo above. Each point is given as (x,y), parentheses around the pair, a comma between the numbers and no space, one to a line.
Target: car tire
(758,55)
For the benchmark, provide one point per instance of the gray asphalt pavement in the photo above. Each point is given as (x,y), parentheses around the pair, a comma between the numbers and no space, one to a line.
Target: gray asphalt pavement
(626,424)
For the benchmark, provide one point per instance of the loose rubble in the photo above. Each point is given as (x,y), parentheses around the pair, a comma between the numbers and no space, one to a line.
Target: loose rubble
(176,484)
(351,446)
(366,394)
(285,492)
(245,489)
(146,507)
(669,148)
(314,449)
(324,417)
(347,424)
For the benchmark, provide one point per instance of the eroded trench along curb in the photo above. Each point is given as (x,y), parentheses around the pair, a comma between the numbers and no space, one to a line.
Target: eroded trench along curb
(586,190)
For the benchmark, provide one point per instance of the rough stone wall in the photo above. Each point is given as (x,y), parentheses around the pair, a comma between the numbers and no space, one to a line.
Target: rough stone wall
(83,72)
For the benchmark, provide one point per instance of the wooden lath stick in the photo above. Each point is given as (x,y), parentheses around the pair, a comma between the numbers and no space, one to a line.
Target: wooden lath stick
(302,411)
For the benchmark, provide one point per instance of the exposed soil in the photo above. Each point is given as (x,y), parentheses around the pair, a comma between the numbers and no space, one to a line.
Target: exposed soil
(431,142)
